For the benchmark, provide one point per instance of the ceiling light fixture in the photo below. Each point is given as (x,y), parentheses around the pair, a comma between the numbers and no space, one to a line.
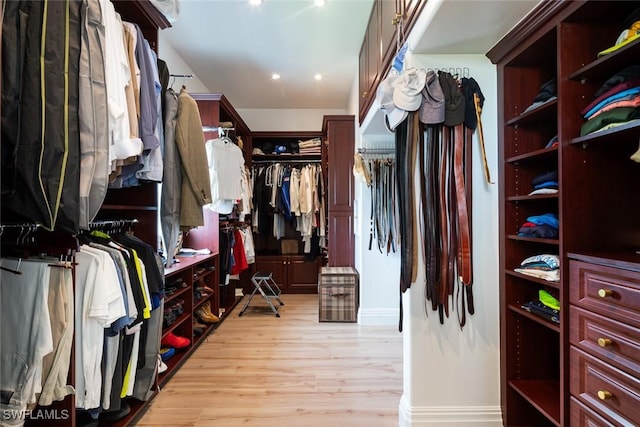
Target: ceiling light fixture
(275,76)
(255,2)
(318,77)
(319,2)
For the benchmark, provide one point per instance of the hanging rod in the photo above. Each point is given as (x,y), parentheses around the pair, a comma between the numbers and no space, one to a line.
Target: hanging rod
(286,161)
(182,76)
(215,128)
(20,225)
(112,223)
(377,150)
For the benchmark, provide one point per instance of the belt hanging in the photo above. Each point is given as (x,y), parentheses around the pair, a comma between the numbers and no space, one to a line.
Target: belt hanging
(443,308)
(464,239)
(372,204)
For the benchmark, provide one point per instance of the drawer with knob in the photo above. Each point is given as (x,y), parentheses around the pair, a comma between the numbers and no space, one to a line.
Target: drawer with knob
(611,292)
(582,415)
(609,340)
(607,390)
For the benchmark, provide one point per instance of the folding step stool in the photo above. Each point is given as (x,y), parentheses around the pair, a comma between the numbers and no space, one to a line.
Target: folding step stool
(268,288)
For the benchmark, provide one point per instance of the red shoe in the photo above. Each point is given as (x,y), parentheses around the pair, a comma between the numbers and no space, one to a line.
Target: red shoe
(172,340)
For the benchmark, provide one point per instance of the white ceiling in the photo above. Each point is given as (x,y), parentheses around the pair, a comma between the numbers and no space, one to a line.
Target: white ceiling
(233,48)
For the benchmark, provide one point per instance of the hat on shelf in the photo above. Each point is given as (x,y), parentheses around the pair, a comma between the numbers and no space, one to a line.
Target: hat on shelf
(454,100)
(626,36)
(384,95)
(432,109)
(407,93)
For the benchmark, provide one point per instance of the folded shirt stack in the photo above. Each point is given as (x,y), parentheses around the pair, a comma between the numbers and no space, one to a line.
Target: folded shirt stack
(310,146)
(546,183)
(617,102)
(542,266)
(544,226)
(548,92)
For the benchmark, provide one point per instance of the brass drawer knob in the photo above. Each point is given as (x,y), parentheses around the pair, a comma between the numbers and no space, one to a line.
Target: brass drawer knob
(603,342)
(603,293)
(604,395)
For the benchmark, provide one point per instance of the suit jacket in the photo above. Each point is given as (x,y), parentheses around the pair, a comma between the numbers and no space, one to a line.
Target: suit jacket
(196,187)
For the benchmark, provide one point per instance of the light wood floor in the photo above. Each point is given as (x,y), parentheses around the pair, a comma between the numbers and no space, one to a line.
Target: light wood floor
(259,370)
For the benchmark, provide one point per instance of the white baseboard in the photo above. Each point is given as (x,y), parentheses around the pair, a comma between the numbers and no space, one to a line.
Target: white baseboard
(378,316)
(449,416)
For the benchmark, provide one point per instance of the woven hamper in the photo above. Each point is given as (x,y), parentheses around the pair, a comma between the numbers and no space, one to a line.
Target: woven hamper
(338,294)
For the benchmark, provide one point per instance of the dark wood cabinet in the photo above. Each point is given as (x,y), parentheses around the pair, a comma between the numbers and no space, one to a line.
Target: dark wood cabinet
(552,374)
(292,273)
(339,132)
(380,44)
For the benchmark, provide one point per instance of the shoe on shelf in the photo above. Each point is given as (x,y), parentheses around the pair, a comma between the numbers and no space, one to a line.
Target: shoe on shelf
(197,324)
(205,314)
(205,317)
(167,353)
(207,309)
(205,289)
(162,367)
(175,341)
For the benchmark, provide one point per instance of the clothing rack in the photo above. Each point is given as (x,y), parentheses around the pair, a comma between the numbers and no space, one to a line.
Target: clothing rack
(376,150)
(286,161)
(179,76)
(23,226)
(116,224)
(216,128)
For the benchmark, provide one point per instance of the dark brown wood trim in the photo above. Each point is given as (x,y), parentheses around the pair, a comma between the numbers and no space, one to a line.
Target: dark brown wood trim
(542,14)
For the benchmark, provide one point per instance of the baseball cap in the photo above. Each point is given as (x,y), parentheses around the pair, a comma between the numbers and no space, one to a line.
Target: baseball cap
(432,109)
(384,95)
(407,93)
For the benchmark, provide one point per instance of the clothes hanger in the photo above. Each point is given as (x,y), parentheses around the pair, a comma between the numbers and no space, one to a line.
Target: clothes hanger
(11,270)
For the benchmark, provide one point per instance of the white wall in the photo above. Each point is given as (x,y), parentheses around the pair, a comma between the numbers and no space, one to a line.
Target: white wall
(464,387)
(176,65)
(259,119)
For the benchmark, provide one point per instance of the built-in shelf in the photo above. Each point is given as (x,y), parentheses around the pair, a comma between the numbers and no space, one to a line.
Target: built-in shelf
(533,279)
(541,320)
(533,197)
(627,132)
(542,394)
(534,239)
(536,155)
(606,66)
(543,113)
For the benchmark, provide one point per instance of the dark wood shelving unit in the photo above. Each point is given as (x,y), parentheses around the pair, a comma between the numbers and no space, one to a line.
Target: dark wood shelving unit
(546,111)
(535,155)
(532,198)
(544,376)
(542,394)
(524,313)
(533,279)
(534,239)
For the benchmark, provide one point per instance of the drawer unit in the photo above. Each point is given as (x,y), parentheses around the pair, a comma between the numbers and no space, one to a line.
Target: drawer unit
(606,389)
(604,338)
(612,292)
(582,415)
(609,340)
(338,294)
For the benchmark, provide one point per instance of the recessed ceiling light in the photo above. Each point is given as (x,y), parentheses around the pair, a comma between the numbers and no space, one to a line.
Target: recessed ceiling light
(319,2)
(275,76)
(255,2)
(318,77)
